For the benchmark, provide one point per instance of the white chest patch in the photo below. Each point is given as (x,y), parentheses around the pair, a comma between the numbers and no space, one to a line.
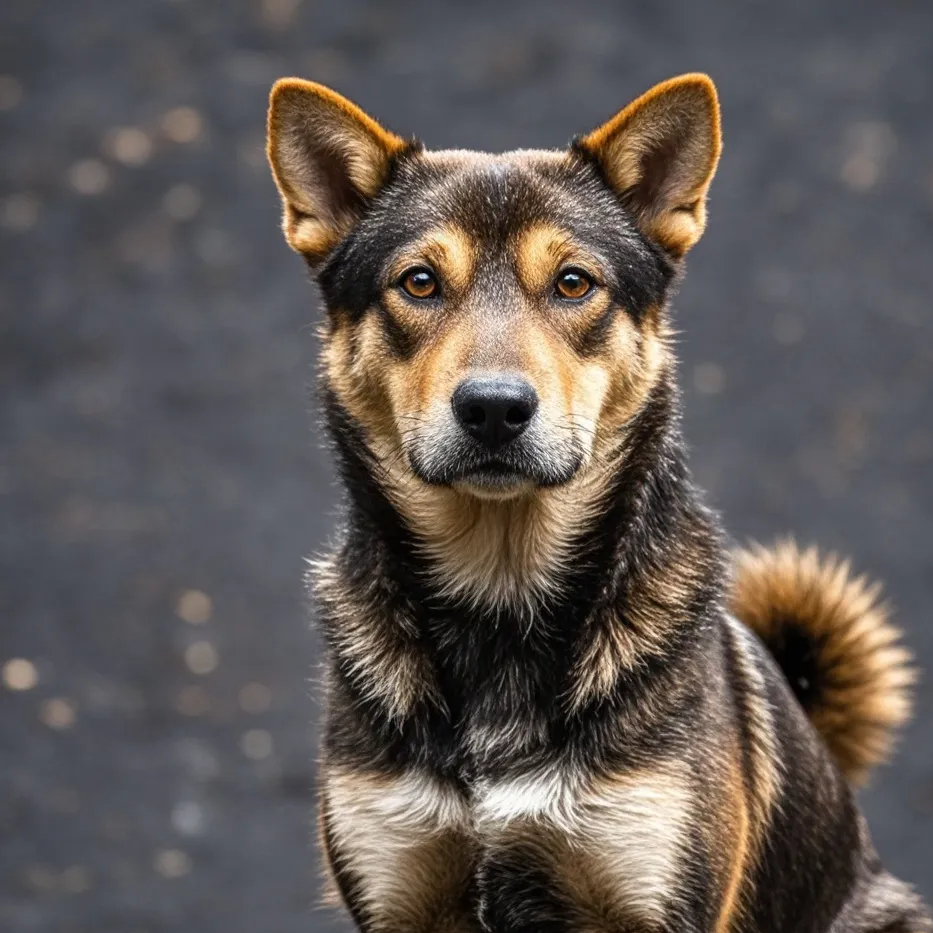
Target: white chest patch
(549,796)
(632,829)
(412,802)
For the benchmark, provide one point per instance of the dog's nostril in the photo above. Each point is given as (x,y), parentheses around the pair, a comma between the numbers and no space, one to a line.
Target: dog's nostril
(474,416)
(517,415)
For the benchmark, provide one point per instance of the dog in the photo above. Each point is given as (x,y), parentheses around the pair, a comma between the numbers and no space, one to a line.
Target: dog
(555,702)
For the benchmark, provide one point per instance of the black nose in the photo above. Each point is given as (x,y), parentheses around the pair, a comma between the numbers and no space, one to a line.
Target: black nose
(494,409)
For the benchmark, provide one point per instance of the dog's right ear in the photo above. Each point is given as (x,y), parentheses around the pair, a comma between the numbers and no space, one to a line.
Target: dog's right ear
(328,158)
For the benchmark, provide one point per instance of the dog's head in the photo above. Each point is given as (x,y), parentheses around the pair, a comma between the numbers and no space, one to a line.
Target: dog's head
(493,318)
(494,321)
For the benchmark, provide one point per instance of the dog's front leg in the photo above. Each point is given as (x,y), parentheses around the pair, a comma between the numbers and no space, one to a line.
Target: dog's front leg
(398,852)
(569,853)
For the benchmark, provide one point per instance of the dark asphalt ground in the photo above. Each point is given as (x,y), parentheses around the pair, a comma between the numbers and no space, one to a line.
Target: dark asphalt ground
(159,459)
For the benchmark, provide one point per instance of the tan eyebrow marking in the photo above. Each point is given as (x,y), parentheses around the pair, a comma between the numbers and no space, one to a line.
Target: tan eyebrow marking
(448,250)
(539,253)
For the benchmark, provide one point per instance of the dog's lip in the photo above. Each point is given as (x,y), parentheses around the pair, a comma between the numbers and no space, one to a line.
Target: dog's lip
(494,466)
(493,476)
(506,469)
(496,470)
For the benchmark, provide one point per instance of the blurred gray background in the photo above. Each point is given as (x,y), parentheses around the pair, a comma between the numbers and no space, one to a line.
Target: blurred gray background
(161,477)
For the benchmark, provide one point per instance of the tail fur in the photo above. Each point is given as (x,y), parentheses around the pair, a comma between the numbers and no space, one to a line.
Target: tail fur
(833,641)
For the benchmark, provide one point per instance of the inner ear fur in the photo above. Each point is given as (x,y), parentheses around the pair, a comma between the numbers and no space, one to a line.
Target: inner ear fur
(328,158)
(659,155)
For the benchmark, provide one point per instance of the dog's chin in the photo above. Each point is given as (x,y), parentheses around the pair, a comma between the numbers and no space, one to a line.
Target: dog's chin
(497,485)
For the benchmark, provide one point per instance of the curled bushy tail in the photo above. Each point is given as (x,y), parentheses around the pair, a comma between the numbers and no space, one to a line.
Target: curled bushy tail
(833,641)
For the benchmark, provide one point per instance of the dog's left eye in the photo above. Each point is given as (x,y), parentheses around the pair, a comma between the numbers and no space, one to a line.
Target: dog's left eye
(573,284)
(419,283)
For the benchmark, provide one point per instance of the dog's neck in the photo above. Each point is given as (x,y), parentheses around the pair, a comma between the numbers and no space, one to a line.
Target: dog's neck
(642,578)
(618,533)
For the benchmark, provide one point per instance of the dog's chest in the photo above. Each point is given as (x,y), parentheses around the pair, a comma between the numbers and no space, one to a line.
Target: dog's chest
(618,843)
(629,831)
(507,709)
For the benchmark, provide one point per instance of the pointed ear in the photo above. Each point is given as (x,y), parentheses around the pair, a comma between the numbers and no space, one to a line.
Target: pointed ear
(328,158)
(659,155)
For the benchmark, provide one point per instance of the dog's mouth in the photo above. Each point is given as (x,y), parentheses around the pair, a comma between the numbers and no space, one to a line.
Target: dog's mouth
(508,473)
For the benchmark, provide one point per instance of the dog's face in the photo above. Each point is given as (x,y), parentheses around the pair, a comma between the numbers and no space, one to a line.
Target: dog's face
(494,320)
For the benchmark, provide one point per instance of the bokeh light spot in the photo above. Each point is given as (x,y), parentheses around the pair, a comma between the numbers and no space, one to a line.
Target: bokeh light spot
(183,124)
(89,177)
(256,744)
(194,607)
(172,863)
(255,698)
(58,713)
(201,658)
(20,674)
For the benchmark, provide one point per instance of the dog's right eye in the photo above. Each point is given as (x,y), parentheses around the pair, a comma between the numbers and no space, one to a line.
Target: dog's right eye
(419,283)
(573,284)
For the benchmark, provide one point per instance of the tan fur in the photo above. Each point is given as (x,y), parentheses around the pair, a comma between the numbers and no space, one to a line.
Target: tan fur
(513,551)
(614,845)
(637,829)
(508,552)
(865,676)
(540,252)
(731,839)
(330,890)
(678,122)
(408,835)
(447,250)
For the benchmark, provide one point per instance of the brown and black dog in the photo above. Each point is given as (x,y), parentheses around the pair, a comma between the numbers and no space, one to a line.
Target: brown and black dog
(554,702)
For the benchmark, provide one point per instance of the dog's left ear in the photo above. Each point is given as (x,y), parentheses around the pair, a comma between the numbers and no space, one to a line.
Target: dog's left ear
(329,159)
(659,155)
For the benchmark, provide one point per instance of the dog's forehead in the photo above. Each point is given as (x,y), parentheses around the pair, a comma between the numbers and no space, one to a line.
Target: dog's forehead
(494,167)
(495,163)
(492,196)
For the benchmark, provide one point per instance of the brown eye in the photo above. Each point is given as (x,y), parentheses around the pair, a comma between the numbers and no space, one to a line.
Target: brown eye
(420,283)
(572,284)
